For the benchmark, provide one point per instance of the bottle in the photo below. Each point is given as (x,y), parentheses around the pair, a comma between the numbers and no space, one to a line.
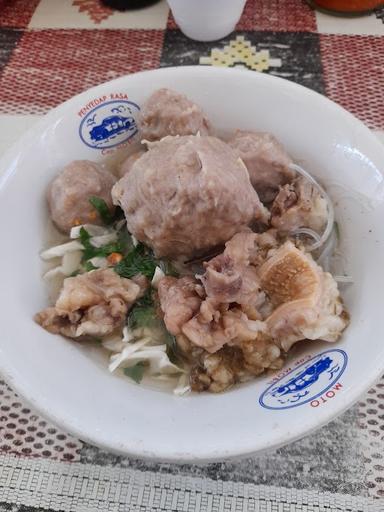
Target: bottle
(126,5)
(346,7)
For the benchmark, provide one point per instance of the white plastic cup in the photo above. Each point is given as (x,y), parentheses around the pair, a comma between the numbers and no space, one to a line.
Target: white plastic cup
(206,20)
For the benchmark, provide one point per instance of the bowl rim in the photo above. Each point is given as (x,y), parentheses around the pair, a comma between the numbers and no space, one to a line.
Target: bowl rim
(9,371)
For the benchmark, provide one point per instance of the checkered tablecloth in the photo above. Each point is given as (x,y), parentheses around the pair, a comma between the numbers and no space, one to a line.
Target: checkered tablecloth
(53,49)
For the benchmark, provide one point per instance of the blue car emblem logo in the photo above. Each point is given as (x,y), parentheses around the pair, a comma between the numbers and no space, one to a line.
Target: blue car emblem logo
(109,124)
(306,382)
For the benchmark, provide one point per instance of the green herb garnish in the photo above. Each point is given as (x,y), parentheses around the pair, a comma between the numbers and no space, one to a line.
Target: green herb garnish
(102,209)
(138,261)
(146,299)
(125,240)
(108,249)
(135,372)
(141,316)
(143,313)
(168,268)
(85,241)
(88,266)
(170,339)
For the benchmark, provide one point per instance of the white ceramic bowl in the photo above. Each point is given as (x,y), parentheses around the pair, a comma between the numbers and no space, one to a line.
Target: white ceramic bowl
(73,387)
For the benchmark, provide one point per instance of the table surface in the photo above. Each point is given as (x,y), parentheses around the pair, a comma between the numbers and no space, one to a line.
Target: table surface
(53,49)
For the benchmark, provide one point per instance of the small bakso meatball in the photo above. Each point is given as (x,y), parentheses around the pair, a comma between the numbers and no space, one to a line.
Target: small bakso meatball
(299,204)
(127,164)
(187,195)
(266,160)
(167,112)
(91,304)
(68,194)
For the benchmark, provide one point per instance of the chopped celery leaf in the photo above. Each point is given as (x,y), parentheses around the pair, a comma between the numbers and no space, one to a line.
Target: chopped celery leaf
(135,372)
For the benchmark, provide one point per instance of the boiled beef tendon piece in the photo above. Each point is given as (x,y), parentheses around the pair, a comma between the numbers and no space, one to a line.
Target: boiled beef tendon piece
(230,278)
(91,304)
(204,312)
(226,327)
(299,204)
(227,282)
(248,351)
(187,195)
(218,324)
(306,300)
(232,364)
(69,193)
(167,112)
(179,300)
(267,161)
(225,306)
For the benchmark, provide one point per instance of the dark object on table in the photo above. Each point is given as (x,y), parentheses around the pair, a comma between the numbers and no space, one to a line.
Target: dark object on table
(126,5)
(346,7)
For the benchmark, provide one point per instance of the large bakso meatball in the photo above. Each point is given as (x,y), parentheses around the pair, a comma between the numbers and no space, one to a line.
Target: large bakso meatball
(167,112)
(266,160)
(68,194)
(127,164)
(186,195)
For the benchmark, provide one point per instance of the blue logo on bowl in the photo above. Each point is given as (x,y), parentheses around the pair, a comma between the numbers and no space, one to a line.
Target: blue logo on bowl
(306,382)
(109,124)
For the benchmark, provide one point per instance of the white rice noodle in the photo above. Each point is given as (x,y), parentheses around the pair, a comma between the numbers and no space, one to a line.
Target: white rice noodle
(128,335)
(114,344)
(127,352)
(99,262)
(331,214)
(155,355)
(120,224)
(182,387)
(157,358)
(100,235)
(58,251)
(70,263)
(71,252)
(159,274)
(99,241)
(117,344)
(92,229)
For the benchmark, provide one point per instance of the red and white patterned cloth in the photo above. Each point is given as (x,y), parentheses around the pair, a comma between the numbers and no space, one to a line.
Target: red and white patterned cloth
(51,50)
(48,50)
